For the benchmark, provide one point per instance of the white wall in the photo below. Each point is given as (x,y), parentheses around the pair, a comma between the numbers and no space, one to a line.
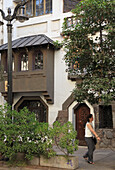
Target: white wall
(50,25)
(62,86)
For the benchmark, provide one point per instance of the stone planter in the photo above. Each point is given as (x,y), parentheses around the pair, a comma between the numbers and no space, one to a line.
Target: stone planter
(20,156)
(34,161)
(59,161)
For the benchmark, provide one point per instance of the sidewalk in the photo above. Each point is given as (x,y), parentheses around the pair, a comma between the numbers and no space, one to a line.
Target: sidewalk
(104,160)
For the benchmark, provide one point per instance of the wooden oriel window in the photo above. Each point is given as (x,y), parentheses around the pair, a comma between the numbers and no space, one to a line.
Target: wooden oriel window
(24,62)
(38,60)
(37,8)
(6,64)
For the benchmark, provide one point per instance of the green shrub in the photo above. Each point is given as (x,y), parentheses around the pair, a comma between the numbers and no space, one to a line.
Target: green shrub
(21,132)
(65,138)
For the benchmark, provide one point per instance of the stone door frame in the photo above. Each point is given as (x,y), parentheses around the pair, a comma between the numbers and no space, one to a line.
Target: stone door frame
(72,116)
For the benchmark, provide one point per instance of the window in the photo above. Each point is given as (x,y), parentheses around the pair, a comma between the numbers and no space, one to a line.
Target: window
(6,65)
(37,8)
(36,106)
(105,116)
(71,22)
(24,62)
(38,60)
(29,10)
(69,5)
(12,63)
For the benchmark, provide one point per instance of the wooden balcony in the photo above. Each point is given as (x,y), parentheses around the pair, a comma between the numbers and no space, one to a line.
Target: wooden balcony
(29,81)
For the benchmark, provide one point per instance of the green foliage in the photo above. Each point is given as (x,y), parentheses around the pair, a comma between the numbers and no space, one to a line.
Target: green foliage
(89,44)
(57,44)
(20,132)
(64,137)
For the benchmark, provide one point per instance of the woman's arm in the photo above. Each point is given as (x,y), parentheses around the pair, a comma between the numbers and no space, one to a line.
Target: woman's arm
(92,130)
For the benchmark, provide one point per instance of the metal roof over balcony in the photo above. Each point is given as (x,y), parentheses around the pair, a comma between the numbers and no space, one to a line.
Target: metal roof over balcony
(28,41)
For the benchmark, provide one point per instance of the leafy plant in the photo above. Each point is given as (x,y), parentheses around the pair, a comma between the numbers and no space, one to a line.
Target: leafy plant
(21,132)
(57,44)
(64,137)
(89,45)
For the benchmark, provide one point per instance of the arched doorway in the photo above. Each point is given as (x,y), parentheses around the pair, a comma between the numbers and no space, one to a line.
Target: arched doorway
(81,113)
(36,105)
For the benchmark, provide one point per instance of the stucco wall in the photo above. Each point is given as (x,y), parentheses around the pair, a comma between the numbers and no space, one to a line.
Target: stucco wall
(50,25)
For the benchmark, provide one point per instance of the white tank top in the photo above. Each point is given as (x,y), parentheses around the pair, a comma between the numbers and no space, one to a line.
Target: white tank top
(87,131)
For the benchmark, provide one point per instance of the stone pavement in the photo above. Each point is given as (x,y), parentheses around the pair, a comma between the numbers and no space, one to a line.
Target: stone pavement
(104,160)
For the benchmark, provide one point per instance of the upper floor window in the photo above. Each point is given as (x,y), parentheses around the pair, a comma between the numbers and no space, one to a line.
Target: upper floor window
(37,8)
(24,62)
(12,63)
(5,65)
(38,60)
(69,5)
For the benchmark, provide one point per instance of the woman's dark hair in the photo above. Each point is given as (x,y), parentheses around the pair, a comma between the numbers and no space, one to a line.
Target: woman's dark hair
(88,117)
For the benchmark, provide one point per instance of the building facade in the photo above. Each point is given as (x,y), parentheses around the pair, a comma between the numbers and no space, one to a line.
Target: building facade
(1,27)
(40,80)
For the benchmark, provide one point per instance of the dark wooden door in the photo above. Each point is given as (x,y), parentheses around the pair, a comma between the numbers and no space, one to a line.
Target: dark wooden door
(82,111)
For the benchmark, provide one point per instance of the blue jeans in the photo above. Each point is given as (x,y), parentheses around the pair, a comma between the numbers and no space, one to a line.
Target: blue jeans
(91,148)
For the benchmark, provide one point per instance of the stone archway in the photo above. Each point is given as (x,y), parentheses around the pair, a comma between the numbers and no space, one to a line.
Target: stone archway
(67,112)
(81,113)
(77,110)
(70,113)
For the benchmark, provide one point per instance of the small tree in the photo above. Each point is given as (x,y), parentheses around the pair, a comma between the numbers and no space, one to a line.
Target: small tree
(64,137)
(89,44)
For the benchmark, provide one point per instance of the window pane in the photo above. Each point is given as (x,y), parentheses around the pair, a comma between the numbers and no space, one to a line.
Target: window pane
(37,107)
(39,61)
(69,5)
(29,11)
(12,63)
(48,6)
(24,62)
(39,7)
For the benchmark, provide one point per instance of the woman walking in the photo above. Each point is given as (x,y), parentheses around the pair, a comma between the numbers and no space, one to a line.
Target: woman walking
(89,133)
